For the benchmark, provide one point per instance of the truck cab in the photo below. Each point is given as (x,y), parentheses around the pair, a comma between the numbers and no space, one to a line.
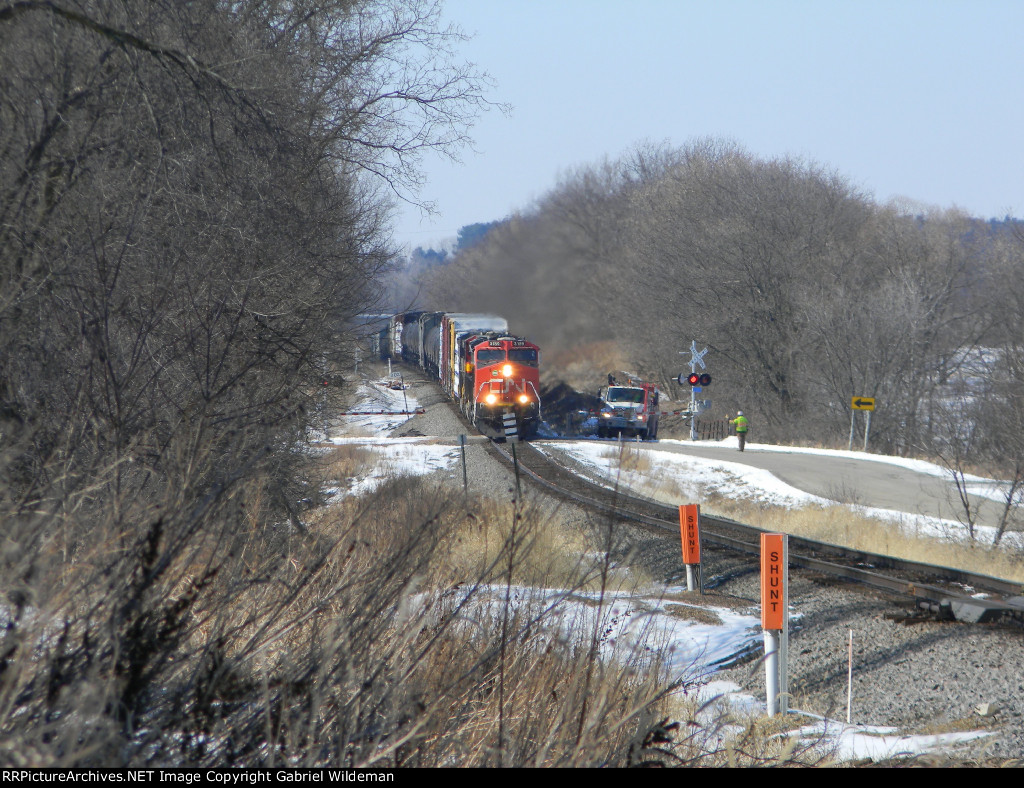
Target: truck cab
(629,410)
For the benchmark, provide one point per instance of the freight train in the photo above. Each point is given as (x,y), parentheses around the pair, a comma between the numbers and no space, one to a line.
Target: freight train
(486,371)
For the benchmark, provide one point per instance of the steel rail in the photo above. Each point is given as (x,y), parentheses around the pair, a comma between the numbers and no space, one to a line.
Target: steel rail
(945,602)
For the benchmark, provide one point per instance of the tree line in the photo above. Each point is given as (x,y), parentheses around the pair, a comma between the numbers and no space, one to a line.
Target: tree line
(806,291)
(194,199)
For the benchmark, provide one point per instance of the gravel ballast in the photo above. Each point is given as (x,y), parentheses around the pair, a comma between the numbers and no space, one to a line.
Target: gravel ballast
(921,677)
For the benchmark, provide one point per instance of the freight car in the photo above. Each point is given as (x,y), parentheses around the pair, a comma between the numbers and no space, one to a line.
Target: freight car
(487,372)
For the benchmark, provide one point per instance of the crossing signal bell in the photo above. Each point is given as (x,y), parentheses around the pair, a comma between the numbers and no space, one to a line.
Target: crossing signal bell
(695,379)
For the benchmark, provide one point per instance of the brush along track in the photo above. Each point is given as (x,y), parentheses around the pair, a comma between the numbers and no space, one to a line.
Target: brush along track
(939,590)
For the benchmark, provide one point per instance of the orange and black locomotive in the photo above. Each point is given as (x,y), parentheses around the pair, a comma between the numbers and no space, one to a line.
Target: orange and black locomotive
(487,371)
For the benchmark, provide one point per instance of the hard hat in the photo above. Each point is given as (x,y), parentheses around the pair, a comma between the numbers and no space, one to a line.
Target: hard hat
(739,413)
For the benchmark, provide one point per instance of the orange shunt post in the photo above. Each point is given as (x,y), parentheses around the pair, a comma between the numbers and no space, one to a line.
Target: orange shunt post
(689,529)
(773,578)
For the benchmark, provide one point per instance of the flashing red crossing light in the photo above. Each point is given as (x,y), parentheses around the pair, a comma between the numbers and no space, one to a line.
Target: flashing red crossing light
(697,379)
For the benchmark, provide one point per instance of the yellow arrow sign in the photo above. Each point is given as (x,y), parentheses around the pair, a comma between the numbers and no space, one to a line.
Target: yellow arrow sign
(862,403)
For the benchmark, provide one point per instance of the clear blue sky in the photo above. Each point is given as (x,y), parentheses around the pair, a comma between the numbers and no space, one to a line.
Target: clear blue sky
(919,99)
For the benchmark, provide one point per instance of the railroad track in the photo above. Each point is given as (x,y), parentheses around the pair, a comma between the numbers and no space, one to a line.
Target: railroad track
(943,592)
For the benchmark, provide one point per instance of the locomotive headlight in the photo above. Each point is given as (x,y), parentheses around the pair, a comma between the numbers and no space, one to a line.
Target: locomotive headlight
(524,399)
(507,370)
(491,399)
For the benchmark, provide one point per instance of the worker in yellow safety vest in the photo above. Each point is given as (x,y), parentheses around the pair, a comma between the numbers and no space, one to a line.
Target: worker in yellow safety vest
(742,425)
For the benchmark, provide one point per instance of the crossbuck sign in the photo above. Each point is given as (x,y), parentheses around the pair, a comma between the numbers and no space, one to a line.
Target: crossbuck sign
(696,360)
(696,357)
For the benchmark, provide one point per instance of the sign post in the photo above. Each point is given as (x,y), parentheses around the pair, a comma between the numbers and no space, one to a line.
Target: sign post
(861,403)
(775,620)
(465,474)
(689,530)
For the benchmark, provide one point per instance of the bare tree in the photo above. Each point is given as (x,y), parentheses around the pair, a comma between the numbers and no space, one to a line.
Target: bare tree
(732,248)
(806,292)
(192,198)
(562,267)
(999,404)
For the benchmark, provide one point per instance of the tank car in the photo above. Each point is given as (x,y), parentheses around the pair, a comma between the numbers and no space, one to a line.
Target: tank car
(410,346)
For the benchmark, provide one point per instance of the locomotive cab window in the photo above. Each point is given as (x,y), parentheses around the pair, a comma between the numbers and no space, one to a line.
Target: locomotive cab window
(523,355)
(489,356)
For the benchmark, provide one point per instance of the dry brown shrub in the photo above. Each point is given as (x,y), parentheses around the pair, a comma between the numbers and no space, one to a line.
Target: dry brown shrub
(628,457)
(368,637)
(346,461)
(399,628)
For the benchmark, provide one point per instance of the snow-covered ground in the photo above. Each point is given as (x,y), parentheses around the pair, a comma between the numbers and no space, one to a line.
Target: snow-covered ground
(379,411)
(697,477)
(692,648)
(630,624)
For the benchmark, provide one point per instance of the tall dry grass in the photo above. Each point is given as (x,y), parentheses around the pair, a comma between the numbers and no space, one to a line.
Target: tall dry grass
(402,628)
(354,640)
(839,524)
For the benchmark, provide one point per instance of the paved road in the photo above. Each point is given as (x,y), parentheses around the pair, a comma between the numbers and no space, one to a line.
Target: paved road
(863,482)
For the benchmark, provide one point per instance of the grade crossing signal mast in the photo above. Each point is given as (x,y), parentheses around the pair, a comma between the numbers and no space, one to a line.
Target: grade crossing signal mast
(696,381)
